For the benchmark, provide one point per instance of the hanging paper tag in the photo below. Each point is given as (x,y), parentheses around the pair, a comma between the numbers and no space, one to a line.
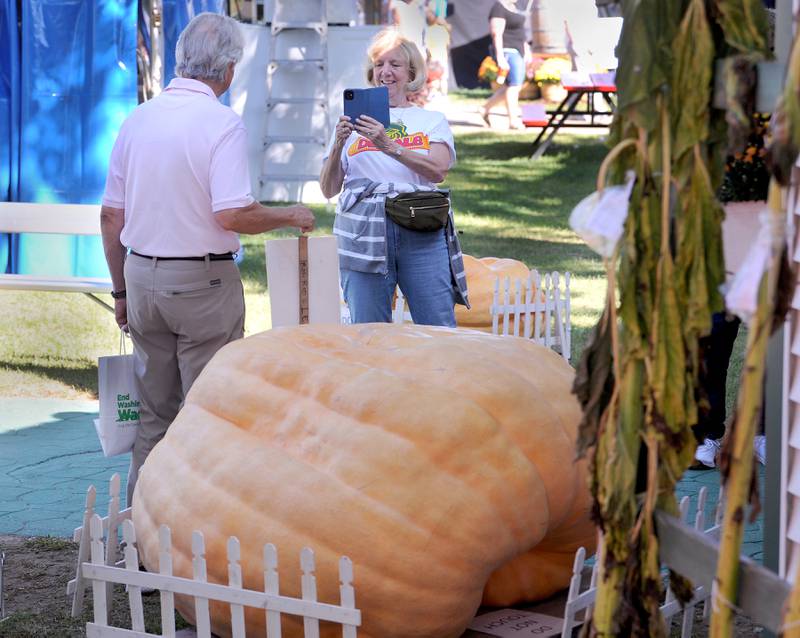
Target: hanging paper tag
(599,219)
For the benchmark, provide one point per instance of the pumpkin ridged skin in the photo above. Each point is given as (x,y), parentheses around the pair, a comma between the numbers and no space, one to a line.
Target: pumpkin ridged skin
(430,456)
(481,276)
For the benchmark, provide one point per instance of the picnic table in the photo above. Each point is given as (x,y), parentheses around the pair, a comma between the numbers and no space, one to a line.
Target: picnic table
(577,85)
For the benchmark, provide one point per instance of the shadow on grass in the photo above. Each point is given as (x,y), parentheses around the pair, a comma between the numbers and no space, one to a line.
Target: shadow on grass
(545,255)
(80,379)
(504,147)
(516,207)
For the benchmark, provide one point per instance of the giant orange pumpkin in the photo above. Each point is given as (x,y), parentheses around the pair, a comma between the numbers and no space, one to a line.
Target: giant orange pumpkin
(481,277)
(436,459)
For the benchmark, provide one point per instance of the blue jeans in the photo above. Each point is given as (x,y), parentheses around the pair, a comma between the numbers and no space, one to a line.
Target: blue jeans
(416,261)
(715,355)
(516,72)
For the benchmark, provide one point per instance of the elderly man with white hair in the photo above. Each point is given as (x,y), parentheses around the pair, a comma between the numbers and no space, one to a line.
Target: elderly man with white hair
(177,193)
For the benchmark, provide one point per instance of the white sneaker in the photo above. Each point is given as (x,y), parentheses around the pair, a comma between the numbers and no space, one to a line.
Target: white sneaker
(760,448)
(707,451)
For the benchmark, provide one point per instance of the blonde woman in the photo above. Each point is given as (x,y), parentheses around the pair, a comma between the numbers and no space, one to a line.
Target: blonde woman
(369,164)
(512,52)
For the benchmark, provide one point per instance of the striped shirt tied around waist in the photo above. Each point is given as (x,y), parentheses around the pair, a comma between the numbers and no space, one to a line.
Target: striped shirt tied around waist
(360,229)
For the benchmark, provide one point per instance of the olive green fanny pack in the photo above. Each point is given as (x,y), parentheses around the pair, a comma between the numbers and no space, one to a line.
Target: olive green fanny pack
(422,210)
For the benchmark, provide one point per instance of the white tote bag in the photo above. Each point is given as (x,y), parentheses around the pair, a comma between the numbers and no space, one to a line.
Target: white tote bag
(118,422)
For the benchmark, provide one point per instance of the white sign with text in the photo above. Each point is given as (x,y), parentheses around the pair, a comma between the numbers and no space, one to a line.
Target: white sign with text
(513,623)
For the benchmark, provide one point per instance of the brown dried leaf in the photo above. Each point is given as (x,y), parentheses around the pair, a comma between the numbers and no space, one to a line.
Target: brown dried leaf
(594,383)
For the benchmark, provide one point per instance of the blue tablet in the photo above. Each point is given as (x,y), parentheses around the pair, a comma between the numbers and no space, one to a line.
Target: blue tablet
(373,102)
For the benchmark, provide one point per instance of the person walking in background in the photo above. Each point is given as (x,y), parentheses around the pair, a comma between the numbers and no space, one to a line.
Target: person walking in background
(371,165)
(507,27)
(177,193)
(715,355)
(438,42)
(414,20)
(412,17)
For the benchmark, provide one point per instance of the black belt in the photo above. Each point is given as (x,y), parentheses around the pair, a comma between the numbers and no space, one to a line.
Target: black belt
(211,257)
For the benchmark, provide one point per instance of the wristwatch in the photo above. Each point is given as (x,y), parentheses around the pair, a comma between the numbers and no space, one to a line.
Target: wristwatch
(398,151)
(118,294)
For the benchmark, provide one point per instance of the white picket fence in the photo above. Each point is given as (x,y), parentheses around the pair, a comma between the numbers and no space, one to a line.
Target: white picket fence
(583,601)
(518,310)
(536,308)
(76,588)
(98,567)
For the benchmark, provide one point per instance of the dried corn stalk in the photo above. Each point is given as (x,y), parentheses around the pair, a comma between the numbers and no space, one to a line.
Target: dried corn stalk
(637,380)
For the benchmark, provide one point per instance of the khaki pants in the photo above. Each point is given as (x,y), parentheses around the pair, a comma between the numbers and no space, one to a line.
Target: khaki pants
(179,313)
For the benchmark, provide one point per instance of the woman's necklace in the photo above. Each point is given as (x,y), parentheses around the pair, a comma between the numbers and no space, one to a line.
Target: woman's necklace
(398,113)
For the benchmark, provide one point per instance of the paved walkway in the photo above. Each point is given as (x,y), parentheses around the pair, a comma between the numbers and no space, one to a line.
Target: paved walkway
(49,456)
(693,481)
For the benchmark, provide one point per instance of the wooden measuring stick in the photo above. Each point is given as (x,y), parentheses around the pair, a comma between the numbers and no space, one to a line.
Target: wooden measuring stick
(303,270)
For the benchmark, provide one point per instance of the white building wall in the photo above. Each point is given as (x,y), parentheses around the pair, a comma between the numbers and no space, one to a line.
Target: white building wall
(346,57)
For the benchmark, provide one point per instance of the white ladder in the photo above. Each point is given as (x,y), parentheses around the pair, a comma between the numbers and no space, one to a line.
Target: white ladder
(282,110)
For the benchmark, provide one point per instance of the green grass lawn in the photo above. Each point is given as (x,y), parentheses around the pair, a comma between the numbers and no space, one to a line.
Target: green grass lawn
(506,206)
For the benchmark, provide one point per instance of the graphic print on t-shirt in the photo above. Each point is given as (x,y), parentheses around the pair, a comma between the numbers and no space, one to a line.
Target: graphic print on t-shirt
(396,132)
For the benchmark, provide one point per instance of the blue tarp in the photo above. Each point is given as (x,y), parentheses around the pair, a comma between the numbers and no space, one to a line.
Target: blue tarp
(78,83)
(66,84)
(9,117)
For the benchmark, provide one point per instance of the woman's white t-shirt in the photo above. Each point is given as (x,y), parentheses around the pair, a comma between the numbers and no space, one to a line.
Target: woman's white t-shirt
(415,129)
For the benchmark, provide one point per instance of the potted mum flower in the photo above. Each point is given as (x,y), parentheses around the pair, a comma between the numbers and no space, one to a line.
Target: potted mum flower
(487,72)
(548,78)
(746,176)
